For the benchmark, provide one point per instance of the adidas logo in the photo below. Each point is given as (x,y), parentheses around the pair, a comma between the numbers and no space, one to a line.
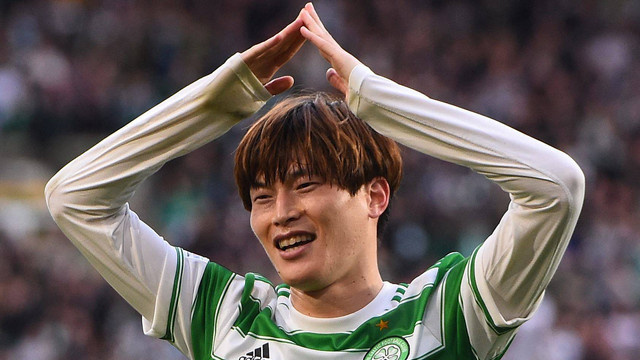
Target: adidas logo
(257,354)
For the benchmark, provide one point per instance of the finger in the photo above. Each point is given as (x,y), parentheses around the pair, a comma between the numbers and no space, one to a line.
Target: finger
(288,52)
(322,44)
(293,40)
(279,85)
(259,49)
(312,24)
(291,31)
(285,44)
(290,34)
(318,42)
(312,11)
(337,81)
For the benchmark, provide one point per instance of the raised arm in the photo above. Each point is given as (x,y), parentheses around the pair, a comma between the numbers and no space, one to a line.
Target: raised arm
(506,277)
(546,187)
(88,197)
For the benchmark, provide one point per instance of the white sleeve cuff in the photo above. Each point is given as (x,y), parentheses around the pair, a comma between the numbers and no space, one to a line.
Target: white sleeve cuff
(247,77)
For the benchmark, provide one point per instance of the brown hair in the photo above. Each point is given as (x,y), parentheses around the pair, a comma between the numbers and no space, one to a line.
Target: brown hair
(320,133)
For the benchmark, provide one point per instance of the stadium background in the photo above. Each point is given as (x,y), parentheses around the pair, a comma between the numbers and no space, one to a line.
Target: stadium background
(564,71)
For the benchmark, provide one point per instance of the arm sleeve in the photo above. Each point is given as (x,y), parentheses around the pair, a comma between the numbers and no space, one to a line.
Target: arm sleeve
(88,197)
(505,281)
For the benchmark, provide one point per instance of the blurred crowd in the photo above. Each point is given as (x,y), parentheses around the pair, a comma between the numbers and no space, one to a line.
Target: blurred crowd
(564,71)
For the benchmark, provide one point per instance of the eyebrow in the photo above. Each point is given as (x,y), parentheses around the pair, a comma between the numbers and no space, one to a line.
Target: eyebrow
(294,174)
(298,173)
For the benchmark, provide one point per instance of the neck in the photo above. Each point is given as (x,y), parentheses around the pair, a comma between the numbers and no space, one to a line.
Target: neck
(338,299)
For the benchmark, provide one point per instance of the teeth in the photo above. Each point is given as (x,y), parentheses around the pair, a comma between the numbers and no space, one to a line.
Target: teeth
(294,240)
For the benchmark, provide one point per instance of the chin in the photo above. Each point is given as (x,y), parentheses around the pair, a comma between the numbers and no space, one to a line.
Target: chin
(304,283)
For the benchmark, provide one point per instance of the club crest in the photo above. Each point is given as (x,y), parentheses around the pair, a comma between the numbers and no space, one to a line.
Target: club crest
(392,348)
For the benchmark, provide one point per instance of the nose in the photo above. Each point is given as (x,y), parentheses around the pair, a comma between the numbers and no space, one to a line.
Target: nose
(287,209)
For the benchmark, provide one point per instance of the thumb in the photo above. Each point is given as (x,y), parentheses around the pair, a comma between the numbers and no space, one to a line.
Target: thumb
(279,85)
(337,81)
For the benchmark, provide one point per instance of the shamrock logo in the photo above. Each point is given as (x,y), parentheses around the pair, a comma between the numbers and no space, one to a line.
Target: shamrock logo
(389,352)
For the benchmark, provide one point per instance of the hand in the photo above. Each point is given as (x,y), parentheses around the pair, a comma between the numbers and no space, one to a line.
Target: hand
(265,58)
(341,61)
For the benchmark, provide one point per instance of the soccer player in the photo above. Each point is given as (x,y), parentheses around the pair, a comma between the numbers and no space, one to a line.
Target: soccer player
(317,175)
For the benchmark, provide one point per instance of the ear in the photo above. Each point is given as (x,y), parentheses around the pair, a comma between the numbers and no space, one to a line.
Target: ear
(379,192)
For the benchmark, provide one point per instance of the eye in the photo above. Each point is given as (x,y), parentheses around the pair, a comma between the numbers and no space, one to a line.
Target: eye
(261,199)
(260,196)
(307,185)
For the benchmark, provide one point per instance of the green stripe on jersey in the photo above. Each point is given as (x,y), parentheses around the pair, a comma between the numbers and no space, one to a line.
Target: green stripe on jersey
(257,322)
(500,330)
(255,318)
(175,296)
(213,286)
(455,337)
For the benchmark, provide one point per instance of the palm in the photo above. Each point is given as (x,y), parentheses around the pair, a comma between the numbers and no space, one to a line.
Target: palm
(266,58)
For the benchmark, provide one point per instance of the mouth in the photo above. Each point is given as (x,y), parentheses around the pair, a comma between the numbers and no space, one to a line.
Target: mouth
(290,242)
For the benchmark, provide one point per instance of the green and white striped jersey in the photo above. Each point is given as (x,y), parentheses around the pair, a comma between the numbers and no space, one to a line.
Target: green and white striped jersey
(234,317)
(458,309)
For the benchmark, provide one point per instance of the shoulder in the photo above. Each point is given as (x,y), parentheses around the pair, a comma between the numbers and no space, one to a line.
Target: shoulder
(219,283)
(443,277)
(452,263)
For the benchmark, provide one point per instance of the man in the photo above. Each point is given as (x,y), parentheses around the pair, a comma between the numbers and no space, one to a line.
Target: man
(318,181)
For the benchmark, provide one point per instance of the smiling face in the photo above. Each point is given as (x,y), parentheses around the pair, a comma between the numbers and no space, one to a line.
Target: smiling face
(317,180)
(315,234)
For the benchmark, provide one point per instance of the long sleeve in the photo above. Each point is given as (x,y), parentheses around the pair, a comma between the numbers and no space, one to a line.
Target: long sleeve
(507,275)
(88,197)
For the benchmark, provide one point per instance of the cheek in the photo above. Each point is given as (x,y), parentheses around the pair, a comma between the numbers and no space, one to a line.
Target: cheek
(346,216)
(352,209)
(257,225)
